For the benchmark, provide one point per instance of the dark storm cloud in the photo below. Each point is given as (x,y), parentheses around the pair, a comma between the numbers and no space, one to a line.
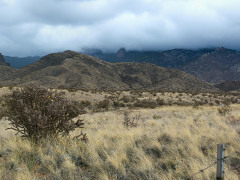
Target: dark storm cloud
(30,27)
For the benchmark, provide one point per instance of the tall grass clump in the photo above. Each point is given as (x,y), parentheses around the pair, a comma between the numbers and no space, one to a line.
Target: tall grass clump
(36,112)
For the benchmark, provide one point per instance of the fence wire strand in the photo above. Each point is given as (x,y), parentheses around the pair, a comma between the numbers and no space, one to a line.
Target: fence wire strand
(202,170)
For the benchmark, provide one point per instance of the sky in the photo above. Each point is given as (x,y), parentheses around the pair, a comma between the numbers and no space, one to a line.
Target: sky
(39,27)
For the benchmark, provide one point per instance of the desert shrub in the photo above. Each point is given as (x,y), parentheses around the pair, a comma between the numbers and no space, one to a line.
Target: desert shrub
(72,89)
(211,104)
(224,109)
(103,105)
(35,113)
(156,116)
(197,104)
(149,103)
(118,104)
(131,121)
(159,102)
(1,109)
(217,101)
(233,100)
(62,87)
(146,103)
(85,103)
(125,99)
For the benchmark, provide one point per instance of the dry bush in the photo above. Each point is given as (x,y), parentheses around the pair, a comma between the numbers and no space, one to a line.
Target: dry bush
(126,99)
(85,103)
(36,113)
(148,103)
(131,121)
(217,101)
(176,146)
(196,105)
(103,105)
(118,104)
(224,109)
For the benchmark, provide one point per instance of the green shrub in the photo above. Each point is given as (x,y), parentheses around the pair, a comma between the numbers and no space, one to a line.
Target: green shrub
(35,113)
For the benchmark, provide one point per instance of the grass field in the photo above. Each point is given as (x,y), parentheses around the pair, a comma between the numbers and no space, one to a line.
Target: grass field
(168,142)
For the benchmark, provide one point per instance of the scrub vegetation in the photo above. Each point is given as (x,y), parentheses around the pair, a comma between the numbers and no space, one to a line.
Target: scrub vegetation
(164,138)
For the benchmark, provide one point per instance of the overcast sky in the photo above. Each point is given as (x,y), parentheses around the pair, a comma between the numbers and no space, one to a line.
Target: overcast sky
(38,27)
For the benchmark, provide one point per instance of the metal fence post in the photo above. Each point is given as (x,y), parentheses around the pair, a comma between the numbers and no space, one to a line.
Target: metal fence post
(220,161)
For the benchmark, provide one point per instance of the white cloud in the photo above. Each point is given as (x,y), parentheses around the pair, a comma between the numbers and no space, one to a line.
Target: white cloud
(41,26)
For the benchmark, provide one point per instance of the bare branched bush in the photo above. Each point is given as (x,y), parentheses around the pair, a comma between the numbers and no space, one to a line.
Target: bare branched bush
(145,103)
(224,109)
(35,113)
(130,122)
(149,103)
(103,105)
(197,104)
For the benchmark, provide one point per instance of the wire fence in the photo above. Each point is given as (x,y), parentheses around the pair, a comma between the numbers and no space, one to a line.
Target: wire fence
(213,164)
(201,171)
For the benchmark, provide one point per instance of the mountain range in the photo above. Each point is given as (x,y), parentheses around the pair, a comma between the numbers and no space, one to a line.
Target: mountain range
(76,70)
(19,62)
(215,66)
(211,65)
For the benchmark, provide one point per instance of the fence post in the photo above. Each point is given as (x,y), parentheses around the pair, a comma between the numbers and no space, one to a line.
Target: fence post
(220,161)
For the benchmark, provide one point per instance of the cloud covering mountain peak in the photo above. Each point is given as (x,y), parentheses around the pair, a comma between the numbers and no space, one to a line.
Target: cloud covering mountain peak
(39,27)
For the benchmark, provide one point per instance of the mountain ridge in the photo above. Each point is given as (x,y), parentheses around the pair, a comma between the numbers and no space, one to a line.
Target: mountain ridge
(2,61)
(212,65)
(19,62)
(76,70)
(215,66)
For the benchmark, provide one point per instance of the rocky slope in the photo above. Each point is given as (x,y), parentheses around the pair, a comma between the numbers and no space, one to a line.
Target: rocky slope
(2,61)
(211,65)
(6,71)
(75,70)
(229,86)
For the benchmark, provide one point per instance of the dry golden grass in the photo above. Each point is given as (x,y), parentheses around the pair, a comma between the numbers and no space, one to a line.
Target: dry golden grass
(168,143)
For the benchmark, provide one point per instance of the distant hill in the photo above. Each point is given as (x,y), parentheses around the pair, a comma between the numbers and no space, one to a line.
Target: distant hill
(229,86)
(2,61)
(211,65)
(19,62)
(75,70)
(6,71)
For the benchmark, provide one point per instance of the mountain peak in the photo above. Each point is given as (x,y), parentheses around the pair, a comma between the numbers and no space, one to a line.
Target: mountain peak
(2,61)
(57,58)
(121,52)
(222,49)
(1,58)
